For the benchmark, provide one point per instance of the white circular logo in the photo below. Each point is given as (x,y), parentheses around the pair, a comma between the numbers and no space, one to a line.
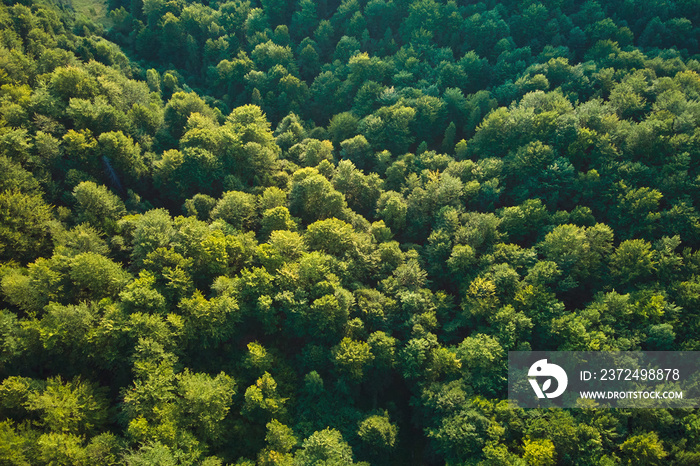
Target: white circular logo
(542,368)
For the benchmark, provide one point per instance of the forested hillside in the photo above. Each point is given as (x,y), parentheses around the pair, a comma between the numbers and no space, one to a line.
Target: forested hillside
(308,233)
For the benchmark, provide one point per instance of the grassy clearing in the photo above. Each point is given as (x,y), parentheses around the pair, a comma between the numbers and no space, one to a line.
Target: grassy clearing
(96,10)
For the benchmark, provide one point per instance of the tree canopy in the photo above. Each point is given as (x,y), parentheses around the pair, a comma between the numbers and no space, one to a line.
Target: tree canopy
(293,233)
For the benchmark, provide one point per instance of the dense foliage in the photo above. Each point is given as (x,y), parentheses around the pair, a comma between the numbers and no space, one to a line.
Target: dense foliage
(292,233)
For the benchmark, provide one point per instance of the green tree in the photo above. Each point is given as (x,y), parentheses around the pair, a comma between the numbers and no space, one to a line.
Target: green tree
(633,260)
(577,251)
(305,19)
(208,322)
(75,407)
(324,447)
(342,126)
(331,236)
(193,171)
(352,358)
(643,449)
(237,208)
(179,108)
(25,225)
(14,447)
(378,434)
(482,359)
(72,82)
(539,452)
(389,128)
(262,400)
(361,191)
(357,150)
(267,55)
(14,177)
(311,152)
(96,276)
(204,402)
(280,441)
(309,61)
(392,208)
(253,154)
(277,218)
(312,197)
(151,230)
(98,206)
(460,436)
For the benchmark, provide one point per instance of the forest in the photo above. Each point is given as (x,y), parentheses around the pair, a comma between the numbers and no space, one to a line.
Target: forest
(297,232)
